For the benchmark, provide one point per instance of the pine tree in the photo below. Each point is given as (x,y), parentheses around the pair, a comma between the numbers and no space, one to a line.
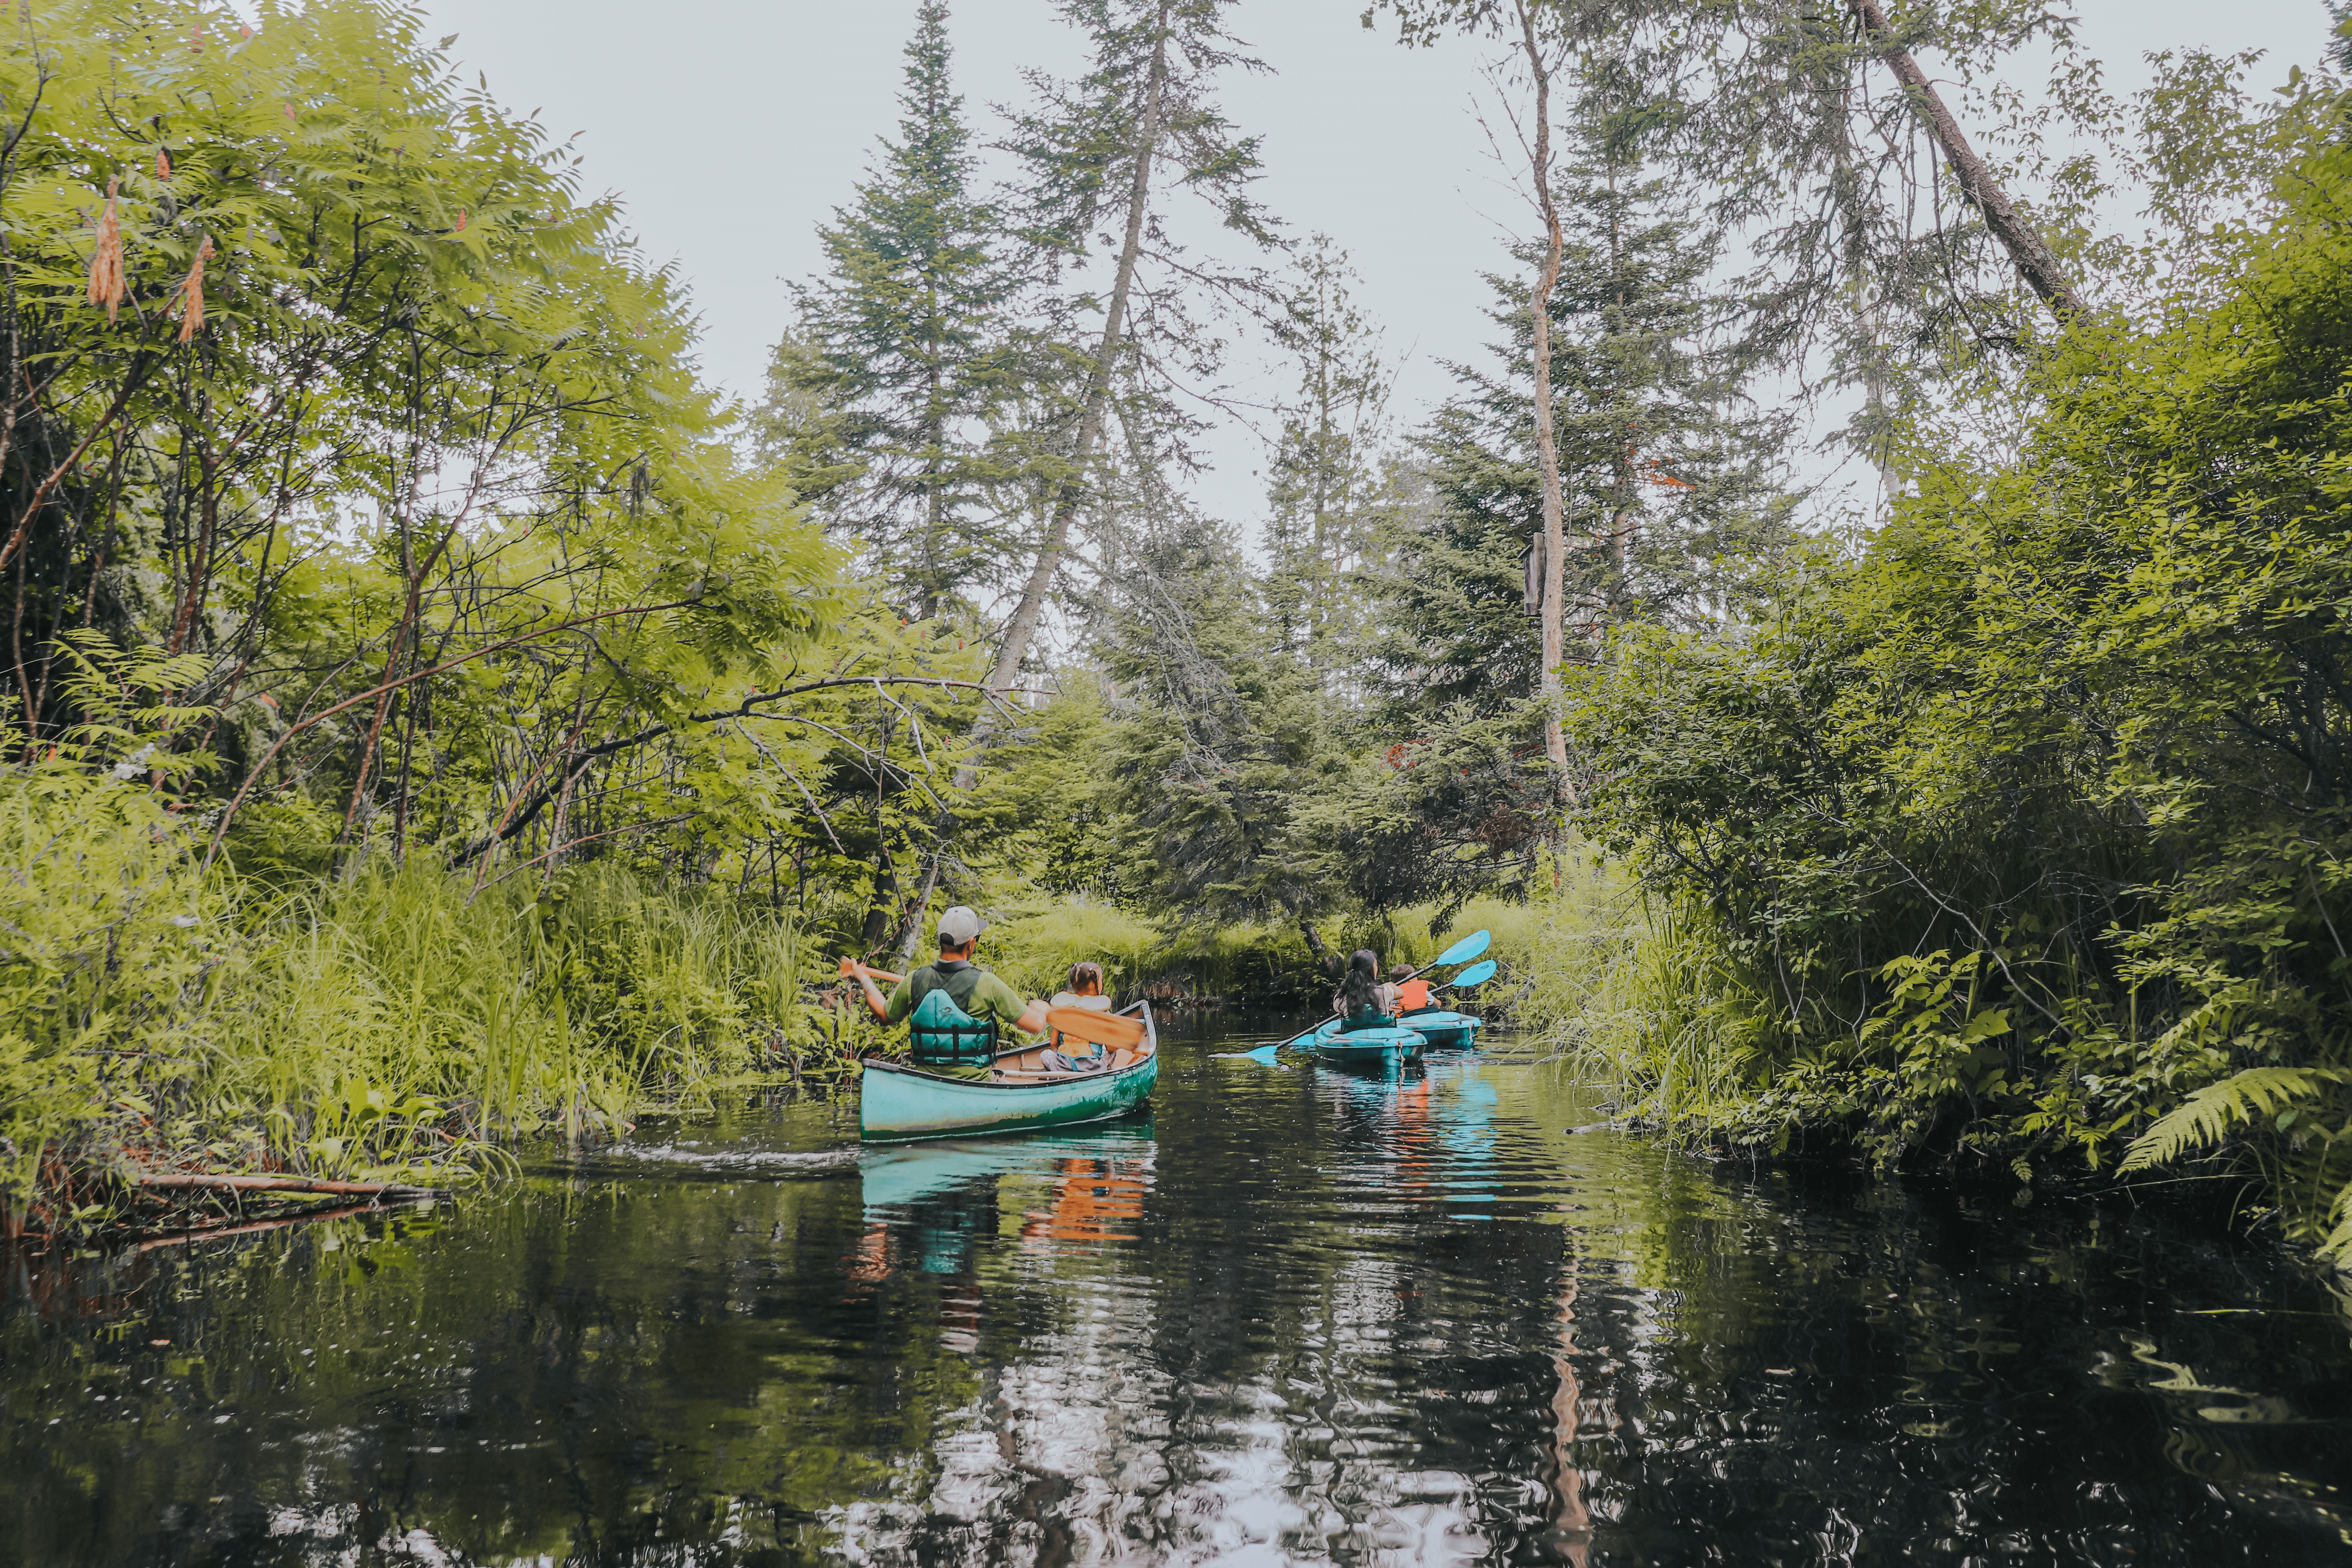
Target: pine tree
(1326,485)
(1871,219)
(1218,737)
(901,345)
(1101,151)
(1671,486)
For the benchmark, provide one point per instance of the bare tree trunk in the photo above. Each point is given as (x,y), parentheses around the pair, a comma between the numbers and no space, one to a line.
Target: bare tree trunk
(2026,247)
(912,934)
(1621,517)
(1554,582)
(880,907)
(1323,957)
(200,560)
(1022,627)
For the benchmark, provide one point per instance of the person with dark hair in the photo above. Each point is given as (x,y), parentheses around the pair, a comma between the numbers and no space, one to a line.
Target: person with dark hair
(1364,1001)
(1085,990)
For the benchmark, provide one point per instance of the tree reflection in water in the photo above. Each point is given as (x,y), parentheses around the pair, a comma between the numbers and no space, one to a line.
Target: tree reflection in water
(1296,1316)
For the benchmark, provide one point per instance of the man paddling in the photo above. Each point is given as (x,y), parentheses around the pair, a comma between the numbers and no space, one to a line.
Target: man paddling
(979,993)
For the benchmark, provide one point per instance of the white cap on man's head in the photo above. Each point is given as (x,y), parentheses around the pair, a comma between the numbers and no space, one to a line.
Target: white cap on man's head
(958,926)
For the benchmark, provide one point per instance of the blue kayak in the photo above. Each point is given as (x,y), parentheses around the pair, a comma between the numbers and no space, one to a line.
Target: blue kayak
(1444,1030)
(1364,1045)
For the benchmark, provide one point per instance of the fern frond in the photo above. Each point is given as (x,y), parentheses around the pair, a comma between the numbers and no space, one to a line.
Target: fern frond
(2211,1114)
(2337,1248)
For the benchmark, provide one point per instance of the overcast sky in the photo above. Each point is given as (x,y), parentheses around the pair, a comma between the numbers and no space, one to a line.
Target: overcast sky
(730,128)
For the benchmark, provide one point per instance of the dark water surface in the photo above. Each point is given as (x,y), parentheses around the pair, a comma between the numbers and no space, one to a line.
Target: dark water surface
(1296,1316)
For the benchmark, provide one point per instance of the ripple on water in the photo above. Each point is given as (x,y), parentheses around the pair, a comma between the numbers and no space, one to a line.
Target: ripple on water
(1295,1315)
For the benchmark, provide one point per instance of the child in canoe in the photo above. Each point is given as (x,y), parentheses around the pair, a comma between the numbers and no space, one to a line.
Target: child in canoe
(1363,1000)
(1086,991)
(1412,992)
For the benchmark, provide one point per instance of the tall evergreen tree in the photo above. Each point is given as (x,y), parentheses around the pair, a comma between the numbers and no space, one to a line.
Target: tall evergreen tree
(1101,152)
(1326,491)
(1219,735)
(901,345)
(1671,489)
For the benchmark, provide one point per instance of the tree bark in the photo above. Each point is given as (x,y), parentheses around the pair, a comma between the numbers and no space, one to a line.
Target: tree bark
(1022,627)
(1555,582)
(2027,249)
(911,934)
(1314,945)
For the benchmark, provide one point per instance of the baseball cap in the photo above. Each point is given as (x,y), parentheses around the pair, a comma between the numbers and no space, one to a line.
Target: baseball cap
(958,926)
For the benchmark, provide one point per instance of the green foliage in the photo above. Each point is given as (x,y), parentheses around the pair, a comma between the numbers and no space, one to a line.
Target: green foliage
(2212,1115)
(1674,505)
(902,351)
(110,944)
(1034,948)
(151,1014)
(502,1009)
(1218,740)
(2025,832)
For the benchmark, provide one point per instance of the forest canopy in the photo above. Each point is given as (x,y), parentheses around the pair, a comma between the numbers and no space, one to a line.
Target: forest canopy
(1871,611)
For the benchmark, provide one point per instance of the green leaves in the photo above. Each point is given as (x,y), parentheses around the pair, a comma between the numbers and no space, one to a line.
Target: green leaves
(2239,1102)
(2081,719)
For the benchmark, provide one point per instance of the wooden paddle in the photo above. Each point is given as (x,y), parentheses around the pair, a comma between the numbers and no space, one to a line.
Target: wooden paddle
(850,966)
(1114,1031)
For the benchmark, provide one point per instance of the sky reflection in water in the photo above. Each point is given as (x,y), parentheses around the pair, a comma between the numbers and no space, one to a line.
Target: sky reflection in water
(1299,1315)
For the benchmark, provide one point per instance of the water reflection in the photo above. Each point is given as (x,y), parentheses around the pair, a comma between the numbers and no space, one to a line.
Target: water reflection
(1386,1316)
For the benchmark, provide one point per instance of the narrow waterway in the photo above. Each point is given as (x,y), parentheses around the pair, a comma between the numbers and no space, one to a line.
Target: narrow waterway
(1297,1315)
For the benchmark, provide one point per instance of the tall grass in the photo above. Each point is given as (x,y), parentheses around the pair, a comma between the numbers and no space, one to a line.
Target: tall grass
(1034,948)
(109,945)
(503,1009)
(155,1012)
(1633,993)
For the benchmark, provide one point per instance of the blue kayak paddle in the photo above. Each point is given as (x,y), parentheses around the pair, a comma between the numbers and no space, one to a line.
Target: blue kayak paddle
(1476,975)
(1265,1053)
(1462,952)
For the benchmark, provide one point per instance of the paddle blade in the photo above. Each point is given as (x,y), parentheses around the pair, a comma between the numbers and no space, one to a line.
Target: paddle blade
(1120,1034)
(1476,975)
(1462,952)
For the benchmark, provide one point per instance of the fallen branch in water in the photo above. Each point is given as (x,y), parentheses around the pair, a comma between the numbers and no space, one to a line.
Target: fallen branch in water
(205,1182)
(214,1232)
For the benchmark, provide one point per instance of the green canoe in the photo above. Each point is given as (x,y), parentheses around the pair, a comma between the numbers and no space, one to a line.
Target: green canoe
(1020,1093)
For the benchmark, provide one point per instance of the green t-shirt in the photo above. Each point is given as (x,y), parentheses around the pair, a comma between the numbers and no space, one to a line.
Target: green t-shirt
(990,998)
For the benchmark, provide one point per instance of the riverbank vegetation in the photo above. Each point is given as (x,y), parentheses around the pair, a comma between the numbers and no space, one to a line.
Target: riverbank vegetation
(432,715)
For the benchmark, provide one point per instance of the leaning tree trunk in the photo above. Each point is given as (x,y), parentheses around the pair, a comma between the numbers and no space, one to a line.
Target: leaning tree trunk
(2027,249)
(1022,627)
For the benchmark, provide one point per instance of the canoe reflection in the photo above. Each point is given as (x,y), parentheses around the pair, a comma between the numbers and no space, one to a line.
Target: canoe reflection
(1090,1197)
(929,1206)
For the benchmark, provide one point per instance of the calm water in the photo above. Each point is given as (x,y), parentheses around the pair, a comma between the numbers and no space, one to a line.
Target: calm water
(1296,1316)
